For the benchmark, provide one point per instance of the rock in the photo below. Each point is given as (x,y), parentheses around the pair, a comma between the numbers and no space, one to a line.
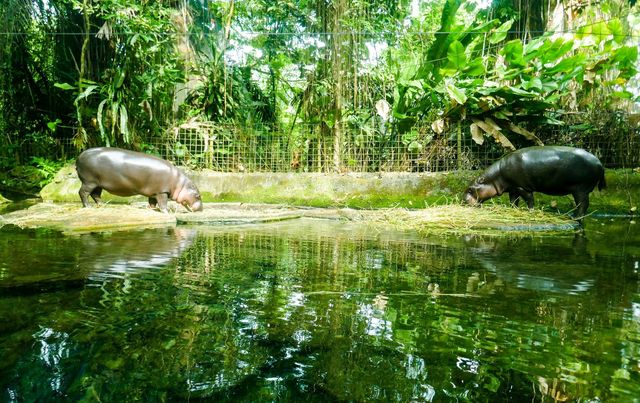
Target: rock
(73,218)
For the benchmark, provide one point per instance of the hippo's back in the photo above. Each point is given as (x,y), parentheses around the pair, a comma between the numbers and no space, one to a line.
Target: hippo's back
(553,169)
(124,172)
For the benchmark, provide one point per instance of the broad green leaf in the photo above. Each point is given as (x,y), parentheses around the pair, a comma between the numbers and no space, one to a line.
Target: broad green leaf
(64,86)
(568,65)
(103,135)
(512,52)
(88,91)
(124,123)
(115,107)
(456,93)
(119,79)
(448,71)
(553,121)
(617,30)
(447,21)
(521,92)
(474,48)
(622,94)
(54,125)
(534,83)
(330,122)
(408,70)
(581,126)
(501,32)
(476,67)
(624,60)
(502,114)
(626,54)
(600,31)
(583,31)
(548,86)
(556,50)
(490,87)
(535,48)
(559,48)
(457,57)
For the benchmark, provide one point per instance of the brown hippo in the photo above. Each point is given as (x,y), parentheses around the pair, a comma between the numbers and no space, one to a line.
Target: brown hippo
(127,173)
(553,170)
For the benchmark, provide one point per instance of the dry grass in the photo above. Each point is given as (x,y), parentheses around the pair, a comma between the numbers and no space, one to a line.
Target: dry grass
(464,219)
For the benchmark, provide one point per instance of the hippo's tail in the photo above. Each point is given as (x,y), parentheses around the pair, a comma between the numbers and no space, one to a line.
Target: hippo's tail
(601,182)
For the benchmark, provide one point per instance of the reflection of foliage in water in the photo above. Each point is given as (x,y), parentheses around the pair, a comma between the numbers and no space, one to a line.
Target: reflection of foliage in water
(305,314)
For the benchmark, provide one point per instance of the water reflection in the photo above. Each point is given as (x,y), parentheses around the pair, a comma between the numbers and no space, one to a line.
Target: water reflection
(325,311)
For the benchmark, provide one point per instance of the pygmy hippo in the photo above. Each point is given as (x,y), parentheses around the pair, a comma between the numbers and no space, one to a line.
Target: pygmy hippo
(554,170)
(127,173)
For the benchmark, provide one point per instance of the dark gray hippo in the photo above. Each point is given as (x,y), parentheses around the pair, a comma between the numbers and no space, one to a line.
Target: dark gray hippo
(128,173)
(553,170)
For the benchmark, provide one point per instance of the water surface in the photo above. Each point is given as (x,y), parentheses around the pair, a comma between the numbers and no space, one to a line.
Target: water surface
(319,311)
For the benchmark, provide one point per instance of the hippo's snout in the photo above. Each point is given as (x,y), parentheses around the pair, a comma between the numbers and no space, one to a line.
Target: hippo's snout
(197,206)
(470,199)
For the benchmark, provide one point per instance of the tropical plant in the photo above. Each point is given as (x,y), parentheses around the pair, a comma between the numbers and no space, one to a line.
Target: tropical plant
(472,75)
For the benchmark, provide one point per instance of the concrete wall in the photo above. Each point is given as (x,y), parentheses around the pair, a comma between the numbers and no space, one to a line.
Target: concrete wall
(313,189)
(361,190)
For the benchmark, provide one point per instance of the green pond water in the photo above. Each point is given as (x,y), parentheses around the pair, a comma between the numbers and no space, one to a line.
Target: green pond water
(313,310)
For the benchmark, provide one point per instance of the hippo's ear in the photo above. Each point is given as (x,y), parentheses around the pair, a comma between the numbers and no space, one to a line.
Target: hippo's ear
(480,179)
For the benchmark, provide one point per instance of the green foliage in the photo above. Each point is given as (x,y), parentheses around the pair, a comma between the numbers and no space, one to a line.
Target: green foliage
(46,169)
(30,178)
(524,83)
(313,72)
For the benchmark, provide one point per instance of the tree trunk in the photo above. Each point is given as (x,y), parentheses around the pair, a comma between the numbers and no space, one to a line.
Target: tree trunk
(337,73)
(81,134)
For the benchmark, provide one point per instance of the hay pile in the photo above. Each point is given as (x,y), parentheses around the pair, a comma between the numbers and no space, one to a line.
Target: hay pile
(464,219)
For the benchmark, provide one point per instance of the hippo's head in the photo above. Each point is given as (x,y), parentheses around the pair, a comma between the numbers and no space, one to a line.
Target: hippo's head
(479,191)
(189,197)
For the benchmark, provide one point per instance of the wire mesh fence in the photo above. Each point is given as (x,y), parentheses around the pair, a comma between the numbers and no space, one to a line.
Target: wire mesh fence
(231,148)
(234,149)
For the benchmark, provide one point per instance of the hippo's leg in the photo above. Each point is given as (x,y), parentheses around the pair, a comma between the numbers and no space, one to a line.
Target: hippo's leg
(162,199)
(528,198)
(514,198)
(85,191)
(153,202)
(95,195)
(582,204)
